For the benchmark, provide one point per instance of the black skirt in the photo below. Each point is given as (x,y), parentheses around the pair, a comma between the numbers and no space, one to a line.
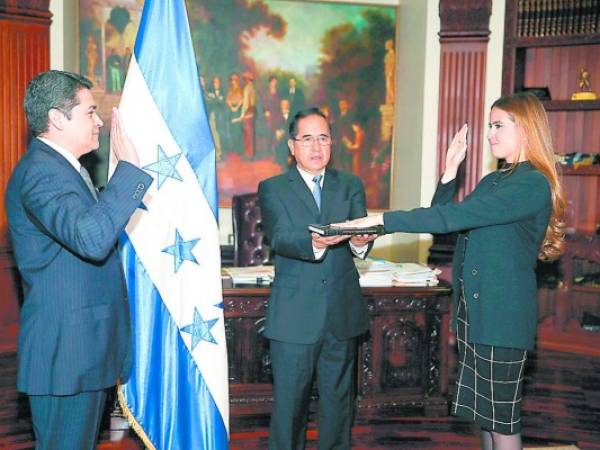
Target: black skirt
(489,381)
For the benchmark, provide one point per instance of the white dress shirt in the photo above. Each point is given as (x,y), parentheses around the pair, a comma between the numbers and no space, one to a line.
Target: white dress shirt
(63,152)
(359,252)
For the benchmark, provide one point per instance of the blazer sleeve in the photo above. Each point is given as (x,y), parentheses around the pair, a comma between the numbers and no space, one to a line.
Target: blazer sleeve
(286,237)
(358,202)
(358,208)
(64,210)
(444,193)
(511,201)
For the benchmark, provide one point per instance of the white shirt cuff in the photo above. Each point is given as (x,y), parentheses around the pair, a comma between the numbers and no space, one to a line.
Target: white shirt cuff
(319,252)
(359,252)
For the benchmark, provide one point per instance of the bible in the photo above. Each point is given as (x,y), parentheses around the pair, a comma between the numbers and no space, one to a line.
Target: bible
(328,230)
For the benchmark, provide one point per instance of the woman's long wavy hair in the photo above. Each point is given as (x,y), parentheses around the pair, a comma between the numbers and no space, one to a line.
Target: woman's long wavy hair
(530,118)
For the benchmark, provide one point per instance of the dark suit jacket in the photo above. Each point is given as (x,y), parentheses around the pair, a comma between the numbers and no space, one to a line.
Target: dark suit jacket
(505,220)
(311,295)
(74,323)
(297,100)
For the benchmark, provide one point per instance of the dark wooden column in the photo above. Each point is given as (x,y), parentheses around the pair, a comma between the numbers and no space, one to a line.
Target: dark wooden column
(24,51)
(464,36)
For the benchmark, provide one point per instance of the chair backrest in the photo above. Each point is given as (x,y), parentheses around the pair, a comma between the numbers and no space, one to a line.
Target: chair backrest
(249,247)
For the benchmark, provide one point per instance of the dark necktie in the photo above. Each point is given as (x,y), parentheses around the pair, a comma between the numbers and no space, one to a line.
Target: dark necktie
(316,191)
(88,181)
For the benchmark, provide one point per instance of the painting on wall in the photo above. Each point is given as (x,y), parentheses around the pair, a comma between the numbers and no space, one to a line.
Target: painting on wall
(259,62)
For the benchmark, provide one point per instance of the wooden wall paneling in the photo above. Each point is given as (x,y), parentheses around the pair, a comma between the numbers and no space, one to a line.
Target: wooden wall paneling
(464,35)
(462,101)
(583,202)
(575,131)
(24,51)
(558,68)
(22,55)
(591,130)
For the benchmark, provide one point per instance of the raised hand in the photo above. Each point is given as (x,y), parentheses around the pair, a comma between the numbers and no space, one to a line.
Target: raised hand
(120,144)
(457,151)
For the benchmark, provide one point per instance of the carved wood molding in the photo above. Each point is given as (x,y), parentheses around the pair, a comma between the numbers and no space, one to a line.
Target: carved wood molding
(28,8)
(465,19)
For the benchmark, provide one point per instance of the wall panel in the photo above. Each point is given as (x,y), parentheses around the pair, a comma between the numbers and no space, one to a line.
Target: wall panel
(24,51)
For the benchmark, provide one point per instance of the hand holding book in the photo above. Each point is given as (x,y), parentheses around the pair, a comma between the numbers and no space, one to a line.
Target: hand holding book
(343,230)
(370,225)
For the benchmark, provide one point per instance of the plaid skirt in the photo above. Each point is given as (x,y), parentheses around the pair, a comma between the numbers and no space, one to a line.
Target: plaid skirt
(489,381)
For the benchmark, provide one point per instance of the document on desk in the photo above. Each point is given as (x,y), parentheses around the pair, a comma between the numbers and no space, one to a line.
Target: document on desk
(262,275)
(381,273)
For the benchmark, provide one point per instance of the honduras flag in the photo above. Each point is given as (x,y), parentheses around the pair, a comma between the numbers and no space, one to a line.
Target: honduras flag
(177,395)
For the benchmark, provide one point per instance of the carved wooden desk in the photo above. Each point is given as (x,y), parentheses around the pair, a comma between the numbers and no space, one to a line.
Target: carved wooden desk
(402,367)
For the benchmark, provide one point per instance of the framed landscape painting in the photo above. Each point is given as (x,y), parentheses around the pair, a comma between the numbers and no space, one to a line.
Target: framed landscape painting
(259,62)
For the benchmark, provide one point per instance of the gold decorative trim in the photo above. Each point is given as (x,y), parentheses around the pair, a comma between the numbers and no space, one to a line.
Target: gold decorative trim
(132,421)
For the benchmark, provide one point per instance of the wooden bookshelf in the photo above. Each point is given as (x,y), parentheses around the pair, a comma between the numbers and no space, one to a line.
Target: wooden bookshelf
(551,41)
(592,171)
(569,105)
(546,44)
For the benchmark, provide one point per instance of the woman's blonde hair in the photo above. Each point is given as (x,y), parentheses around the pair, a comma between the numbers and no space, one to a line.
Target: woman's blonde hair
(530,117)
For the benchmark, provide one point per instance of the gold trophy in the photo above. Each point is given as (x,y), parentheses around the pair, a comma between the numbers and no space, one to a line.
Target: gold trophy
(585,87)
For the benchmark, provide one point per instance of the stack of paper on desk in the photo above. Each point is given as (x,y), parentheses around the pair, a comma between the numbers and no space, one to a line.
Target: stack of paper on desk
(251,274)
(378,272)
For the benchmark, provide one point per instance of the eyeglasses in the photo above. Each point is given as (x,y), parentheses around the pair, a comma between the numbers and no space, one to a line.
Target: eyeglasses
(308,140)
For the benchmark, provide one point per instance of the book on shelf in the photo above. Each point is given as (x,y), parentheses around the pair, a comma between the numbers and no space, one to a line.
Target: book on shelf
(539,18)
(328,230)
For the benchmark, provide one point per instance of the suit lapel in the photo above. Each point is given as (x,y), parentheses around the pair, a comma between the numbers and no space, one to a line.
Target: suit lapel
(300,188)
(37,145)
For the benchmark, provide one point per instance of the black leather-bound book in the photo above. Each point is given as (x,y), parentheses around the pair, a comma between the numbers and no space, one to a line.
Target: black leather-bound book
(328,230)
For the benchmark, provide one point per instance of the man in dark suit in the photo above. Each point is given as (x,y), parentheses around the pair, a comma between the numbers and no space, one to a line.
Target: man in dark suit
(316,310)
(74,324)
(295,95)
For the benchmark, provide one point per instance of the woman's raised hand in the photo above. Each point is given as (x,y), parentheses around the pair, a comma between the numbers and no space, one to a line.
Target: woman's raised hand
(457,151)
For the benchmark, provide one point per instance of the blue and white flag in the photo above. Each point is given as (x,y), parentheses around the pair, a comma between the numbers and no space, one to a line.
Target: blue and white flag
(177,394)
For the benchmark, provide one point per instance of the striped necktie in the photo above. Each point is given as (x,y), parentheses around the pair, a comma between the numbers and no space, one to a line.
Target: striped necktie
(88,181)
(316,191)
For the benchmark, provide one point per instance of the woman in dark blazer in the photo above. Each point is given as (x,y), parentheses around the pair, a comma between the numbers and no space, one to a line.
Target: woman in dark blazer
(512,218)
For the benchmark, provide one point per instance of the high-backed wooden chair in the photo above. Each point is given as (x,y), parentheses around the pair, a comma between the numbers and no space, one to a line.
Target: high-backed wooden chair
(249,247)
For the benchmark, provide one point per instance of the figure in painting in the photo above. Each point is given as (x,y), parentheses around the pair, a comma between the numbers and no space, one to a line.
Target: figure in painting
(354,147)
(114,72)
(295,95)
(280,122)
(389,62)
(127,59)
(342,159)
(91,51)
(271,102)
(234,104)
(215,102)
(248,116)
